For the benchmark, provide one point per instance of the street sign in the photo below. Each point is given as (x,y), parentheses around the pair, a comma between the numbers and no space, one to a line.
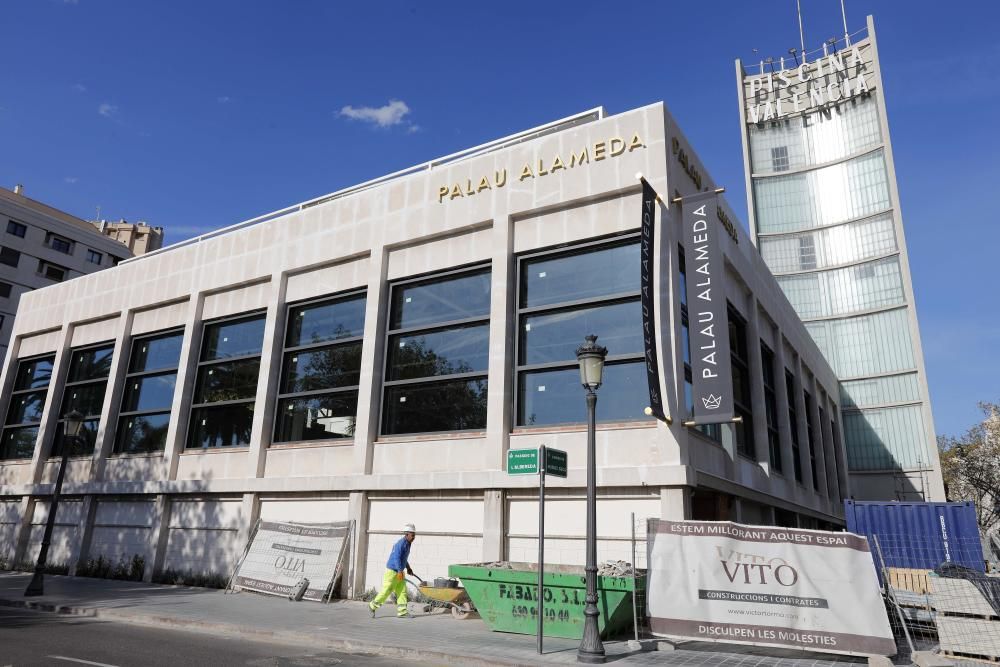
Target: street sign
(555,462)
(522,462)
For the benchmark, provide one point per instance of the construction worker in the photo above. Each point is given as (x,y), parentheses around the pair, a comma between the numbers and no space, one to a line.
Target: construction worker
(394,579)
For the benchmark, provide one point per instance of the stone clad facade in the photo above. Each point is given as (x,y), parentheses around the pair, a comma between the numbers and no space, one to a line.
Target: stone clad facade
(559,204)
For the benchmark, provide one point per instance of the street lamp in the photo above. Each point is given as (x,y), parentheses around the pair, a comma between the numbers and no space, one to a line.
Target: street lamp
(591,356)
(72,424)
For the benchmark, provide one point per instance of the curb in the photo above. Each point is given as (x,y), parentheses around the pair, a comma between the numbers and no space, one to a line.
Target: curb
(248,632)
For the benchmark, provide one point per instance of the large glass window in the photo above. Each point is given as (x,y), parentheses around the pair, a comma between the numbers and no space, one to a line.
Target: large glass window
(321,369)
(825,196)
(771,408)
(86,384)
(853,289)
(226,388)
(563,296)
(793,421)
(831,246)
(811,438)
(149,393)
(880,391)
(793,143)
(866,345)
(885,438)
(24,412)
(437,354)
(742,403)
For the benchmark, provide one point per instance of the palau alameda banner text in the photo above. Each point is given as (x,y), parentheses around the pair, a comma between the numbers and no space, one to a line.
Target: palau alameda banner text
(281,554)
(708,323)
(647,278)
(768,586)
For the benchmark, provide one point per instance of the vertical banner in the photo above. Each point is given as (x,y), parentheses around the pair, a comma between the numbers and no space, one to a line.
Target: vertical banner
(708,323)
(647,273)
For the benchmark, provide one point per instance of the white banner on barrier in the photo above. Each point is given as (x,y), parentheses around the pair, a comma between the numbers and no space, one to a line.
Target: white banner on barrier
(806,589)
(281,554)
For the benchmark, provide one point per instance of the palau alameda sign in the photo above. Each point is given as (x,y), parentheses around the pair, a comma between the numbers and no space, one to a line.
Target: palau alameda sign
(281,554)
(807,589)
(708,324)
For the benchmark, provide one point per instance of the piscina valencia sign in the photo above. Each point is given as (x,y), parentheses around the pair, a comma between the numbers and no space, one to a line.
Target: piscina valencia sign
(807,589)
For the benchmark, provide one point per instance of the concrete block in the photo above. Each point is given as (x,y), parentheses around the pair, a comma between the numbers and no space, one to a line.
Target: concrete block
(879,661)
(665,646)
(634,645)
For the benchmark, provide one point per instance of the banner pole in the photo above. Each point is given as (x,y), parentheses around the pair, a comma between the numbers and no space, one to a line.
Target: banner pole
(892,594)
(635,613)
(239,563)
(541,546)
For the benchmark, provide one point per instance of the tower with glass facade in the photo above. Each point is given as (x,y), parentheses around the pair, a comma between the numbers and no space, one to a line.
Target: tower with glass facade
(824,212)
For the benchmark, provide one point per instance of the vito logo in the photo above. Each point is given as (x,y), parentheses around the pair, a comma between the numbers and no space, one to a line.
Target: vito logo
(712,402)
(290,564)
(760,573)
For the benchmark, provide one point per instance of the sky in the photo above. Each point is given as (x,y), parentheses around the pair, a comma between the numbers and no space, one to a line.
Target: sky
(197,115)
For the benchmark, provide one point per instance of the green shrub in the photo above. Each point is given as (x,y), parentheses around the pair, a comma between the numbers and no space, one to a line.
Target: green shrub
(189,578)
(104,568)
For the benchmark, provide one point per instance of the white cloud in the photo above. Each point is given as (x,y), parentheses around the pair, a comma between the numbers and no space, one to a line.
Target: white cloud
(223,99)
(384,116)
(107,110)
(79,87)
(71,179)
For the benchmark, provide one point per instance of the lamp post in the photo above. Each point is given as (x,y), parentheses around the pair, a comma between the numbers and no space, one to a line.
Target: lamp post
(591,356)
(72,423)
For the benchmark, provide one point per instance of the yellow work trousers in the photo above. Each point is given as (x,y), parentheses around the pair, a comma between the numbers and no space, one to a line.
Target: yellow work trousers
(392,582)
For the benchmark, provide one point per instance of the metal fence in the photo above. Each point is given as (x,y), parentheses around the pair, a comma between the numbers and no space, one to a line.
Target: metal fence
(951,609)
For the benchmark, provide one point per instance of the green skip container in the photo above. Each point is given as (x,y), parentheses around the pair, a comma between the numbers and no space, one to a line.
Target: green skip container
(506,597)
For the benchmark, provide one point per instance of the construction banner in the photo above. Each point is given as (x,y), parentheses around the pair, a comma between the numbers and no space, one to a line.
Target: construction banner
(647,281)
(807,589)
(281,554)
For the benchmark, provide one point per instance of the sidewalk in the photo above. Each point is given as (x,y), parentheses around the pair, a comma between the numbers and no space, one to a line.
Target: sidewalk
(346,626)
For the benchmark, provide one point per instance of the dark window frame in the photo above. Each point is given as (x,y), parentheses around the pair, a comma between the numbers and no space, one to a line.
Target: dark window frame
(811,437)
(6,289)
(768,363)
(435,276)
(310,347)
(793,419)
(520,312)
(44,265)
(67,386)
(18,229)
(10,251)
(192,406)
(133,375)
(747,445)
(51,239)
(20,392)
(92,254)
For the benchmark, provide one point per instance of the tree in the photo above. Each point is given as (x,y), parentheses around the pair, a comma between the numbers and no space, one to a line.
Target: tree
(970,465)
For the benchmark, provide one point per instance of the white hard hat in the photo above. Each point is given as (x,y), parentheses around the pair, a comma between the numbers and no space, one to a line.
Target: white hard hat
(408,528)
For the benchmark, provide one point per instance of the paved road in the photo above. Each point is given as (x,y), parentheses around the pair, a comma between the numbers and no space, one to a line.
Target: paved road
(39,639)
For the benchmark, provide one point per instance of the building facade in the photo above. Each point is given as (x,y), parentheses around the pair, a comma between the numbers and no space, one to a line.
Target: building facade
(372,355)
(825,215)
(41,246)
(139,237)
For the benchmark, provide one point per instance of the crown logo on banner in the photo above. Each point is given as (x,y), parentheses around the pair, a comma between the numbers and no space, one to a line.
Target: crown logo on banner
(713,402)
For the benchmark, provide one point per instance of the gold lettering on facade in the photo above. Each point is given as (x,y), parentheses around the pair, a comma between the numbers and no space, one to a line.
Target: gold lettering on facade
(601,150)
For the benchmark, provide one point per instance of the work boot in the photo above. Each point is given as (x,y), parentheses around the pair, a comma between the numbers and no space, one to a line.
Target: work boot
(371,610)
